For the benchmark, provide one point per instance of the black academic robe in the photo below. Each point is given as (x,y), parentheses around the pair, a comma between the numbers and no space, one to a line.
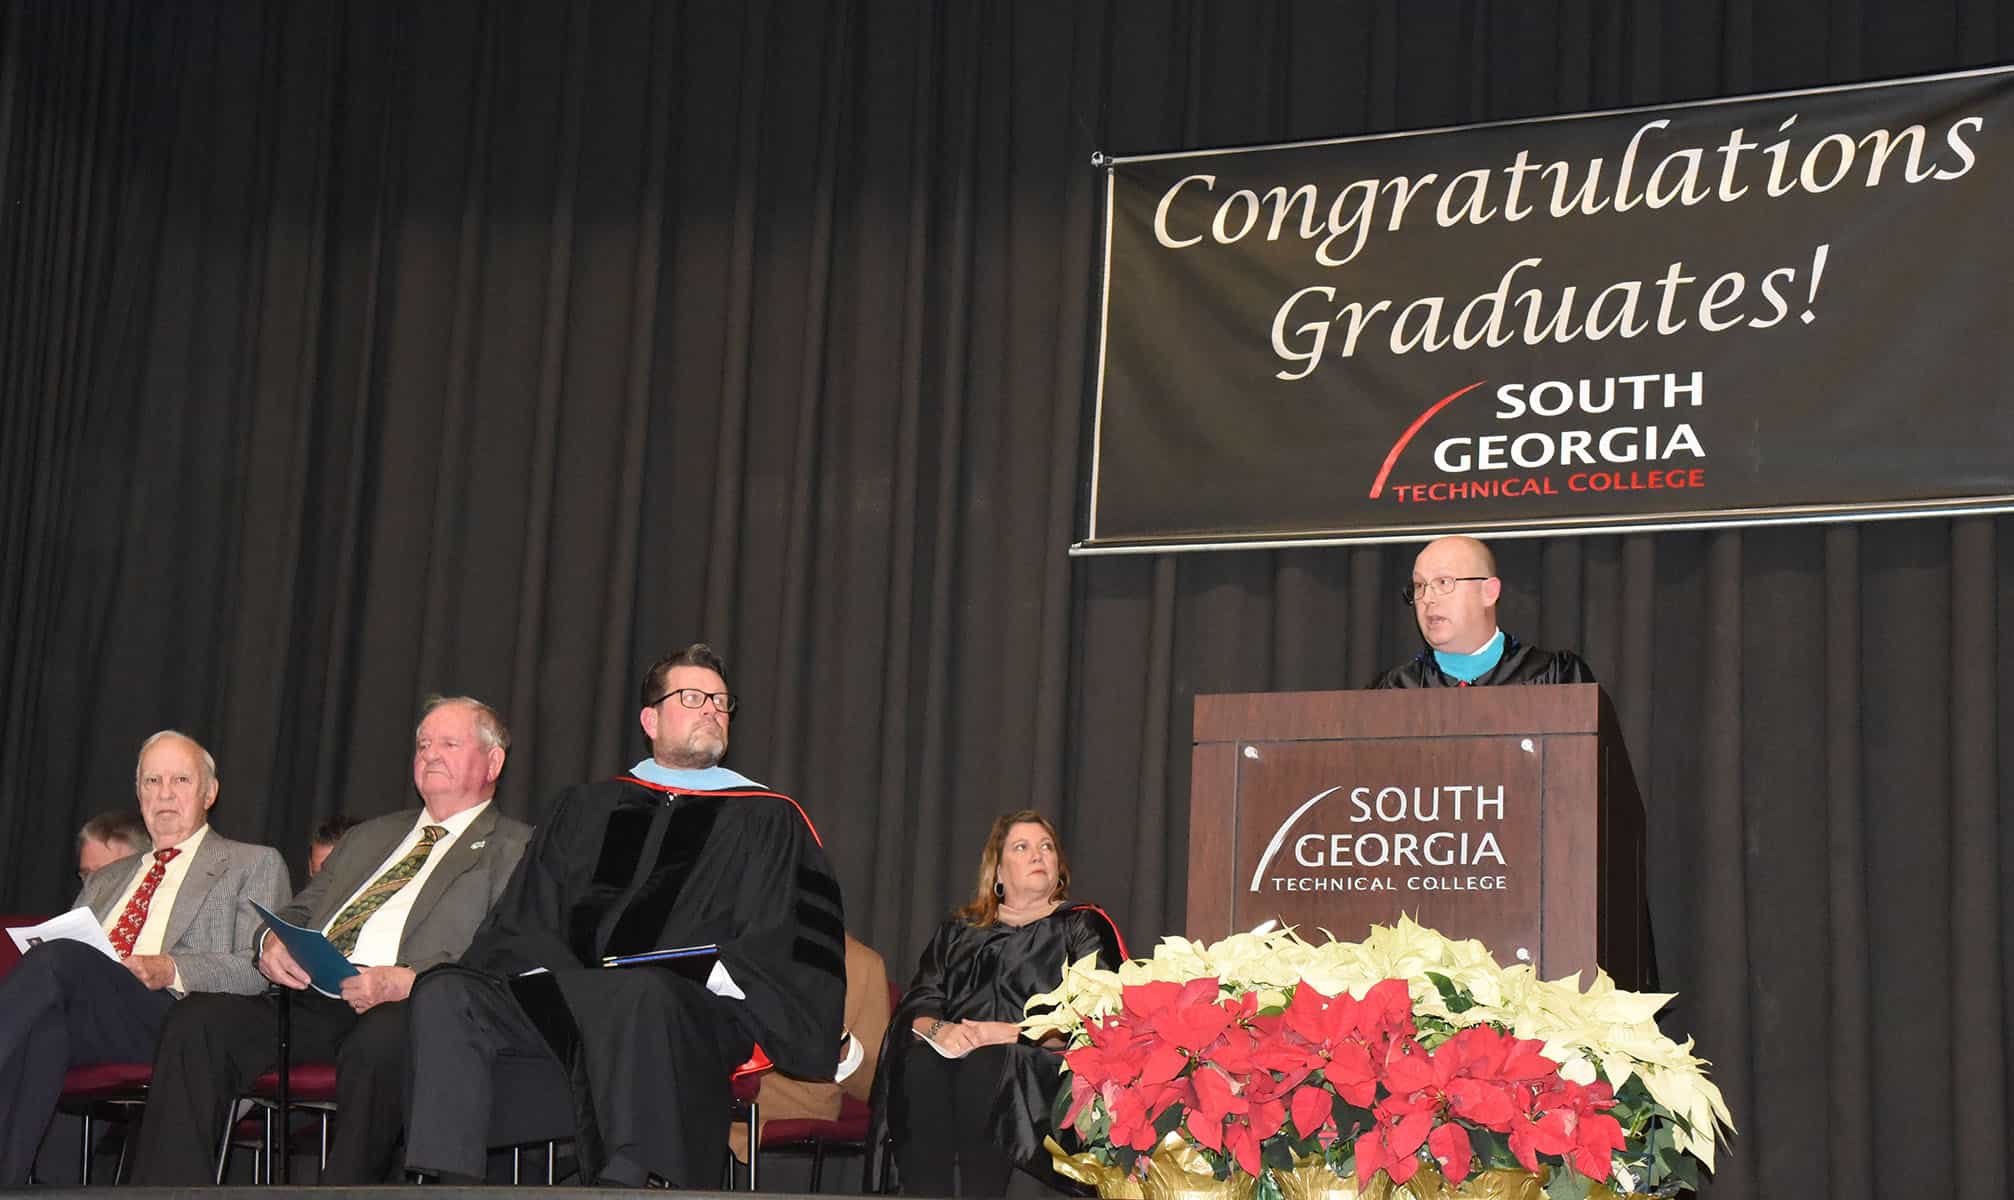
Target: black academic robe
(987,973)
(1520,664)
(625,867)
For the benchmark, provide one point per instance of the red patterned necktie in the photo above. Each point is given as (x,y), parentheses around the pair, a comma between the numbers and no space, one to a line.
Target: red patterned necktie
(127,931)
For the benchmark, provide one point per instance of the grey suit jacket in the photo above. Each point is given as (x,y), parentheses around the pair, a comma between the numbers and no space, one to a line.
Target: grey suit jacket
(453,900)
(211,928)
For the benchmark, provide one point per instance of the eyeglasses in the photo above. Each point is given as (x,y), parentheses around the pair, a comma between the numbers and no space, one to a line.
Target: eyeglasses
(694,698)
(1439,585)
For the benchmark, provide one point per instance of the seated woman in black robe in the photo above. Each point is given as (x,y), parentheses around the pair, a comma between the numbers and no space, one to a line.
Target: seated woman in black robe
(958,1086)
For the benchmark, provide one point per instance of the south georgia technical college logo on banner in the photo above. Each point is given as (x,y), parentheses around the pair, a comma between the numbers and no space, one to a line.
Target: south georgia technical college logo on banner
(1786,307)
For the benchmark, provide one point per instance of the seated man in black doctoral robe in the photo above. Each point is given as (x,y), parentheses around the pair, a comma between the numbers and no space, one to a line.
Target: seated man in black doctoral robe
(630,866)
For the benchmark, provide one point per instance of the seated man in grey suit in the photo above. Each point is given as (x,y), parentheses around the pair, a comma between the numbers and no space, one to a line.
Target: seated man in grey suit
(400,893)
(178,918)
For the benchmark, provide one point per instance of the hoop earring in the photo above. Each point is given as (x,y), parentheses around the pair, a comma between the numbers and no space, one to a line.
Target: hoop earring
(999,891)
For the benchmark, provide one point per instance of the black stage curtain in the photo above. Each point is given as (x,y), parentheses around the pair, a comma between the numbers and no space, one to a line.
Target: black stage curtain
(351,351)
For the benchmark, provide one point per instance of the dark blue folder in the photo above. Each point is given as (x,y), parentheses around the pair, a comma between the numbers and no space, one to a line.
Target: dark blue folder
(317,955)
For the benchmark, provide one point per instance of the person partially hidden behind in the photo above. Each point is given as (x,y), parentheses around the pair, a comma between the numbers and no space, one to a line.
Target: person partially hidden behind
(322,842)
(1453,594)
(109,837)
(967,1099)
(401,893)
(680,853)
(179,920)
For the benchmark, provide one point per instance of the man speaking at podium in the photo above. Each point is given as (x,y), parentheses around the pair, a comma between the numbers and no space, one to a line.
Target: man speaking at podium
(1453,594)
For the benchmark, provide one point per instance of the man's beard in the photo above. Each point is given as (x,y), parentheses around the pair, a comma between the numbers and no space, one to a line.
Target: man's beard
(703,748)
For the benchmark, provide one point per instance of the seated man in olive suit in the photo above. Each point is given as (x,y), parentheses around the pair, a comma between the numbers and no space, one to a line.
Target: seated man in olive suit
(178,918)
(399,894)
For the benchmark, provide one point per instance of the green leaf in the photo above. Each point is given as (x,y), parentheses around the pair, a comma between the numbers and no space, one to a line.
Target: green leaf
(1456,998)
(1269,1188)
(1166,1123)
(1491,1149)
(1350,1118)
(1567,1184)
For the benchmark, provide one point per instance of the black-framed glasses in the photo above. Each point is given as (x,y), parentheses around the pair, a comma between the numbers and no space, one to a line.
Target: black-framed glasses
(1439,585)
(726,702)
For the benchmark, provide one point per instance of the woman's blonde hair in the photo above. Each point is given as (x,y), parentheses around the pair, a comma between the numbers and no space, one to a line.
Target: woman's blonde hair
(985,906)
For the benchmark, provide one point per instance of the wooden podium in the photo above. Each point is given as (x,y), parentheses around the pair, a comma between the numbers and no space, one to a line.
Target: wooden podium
(1508,814)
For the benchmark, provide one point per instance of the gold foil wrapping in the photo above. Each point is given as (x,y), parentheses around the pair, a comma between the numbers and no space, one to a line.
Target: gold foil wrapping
(1176,1170)
(1494,1183)
(1315,1181)
(1111,1182)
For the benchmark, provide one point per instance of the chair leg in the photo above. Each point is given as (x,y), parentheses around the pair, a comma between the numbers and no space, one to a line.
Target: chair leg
(125,1145)
(817,1165)
(84,1164)
(551,1161)
(224,1144)
(266,1139)
(322,1162)
(754,1143)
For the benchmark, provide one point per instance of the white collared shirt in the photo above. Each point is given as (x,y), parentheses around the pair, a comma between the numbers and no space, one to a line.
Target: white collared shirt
(154,930)
(378,941)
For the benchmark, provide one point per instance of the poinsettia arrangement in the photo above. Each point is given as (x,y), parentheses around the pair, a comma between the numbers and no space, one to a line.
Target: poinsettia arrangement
(1390,1055)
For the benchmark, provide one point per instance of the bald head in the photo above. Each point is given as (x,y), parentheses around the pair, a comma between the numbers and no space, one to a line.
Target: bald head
(1462,619)
(1472,555)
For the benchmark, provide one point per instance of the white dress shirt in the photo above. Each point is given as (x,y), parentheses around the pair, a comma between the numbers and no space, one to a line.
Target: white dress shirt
(152,931)
(155,929)
(378,940)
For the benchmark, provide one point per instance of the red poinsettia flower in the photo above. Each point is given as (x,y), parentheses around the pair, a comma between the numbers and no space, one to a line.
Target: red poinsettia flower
(1235,1050)
(1114,1054)
(1450,1147)
(1568,1120)
(1195,1018)
(1483,1102)
(1409,1068)
(1353,1073)
(1242,1138)
(1216,1100)
(1314,1113)
(1481,1069)
(1393,1146)
(1134,1111)
(1385,1014)
(1277,1047)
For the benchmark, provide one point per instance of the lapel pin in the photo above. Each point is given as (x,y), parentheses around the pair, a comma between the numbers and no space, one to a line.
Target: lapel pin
(479,845)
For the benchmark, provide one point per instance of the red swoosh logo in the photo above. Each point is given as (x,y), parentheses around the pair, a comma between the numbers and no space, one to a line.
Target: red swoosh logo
(1398,447)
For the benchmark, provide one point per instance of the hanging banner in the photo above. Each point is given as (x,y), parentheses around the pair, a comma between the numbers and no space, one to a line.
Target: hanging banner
(1776,308)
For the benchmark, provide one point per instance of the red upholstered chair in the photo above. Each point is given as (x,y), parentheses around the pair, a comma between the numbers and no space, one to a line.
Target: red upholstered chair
(9,953)
(102,1091)
(105,1091)
(311,1088)
(747,1082)
(846,1133)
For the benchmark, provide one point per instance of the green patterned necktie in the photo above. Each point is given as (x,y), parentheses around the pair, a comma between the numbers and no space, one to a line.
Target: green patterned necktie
(349,923)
